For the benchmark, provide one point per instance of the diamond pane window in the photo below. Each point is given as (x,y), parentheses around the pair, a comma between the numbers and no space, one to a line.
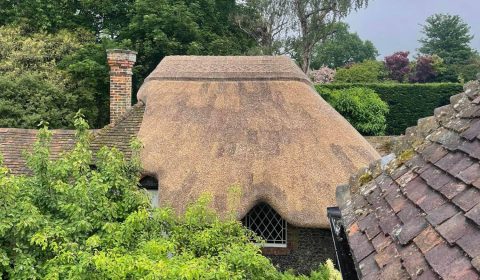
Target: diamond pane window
(268,224)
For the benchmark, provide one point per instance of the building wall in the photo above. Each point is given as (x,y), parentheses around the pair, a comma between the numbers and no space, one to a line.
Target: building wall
(307,248)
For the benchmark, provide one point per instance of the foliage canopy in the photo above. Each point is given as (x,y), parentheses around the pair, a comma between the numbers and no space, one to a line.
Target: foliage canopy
(447,36)
(342,48)
(369,71)
(362,107)
(68,221)
(45,77)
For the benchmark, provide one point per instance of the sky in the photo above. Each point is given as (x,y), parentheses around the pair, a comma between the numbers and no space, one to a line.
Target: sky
(395,25)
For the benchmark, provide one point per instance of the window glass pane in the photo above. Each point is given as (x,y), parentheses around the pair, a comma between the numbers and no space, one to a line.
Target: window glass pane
(268,224)
(153,197)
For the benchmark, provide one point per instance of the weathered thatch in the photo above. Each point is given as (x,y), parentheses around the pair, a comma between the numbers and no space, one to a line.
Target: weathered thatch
(255,122)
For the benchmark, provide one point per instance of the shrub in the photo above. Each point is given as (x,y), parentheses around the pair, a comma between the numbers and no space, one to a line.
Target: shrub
(323,75)
(407,102)
(362,107)
(370,71)
(427,68)
(398,66)
(68,221)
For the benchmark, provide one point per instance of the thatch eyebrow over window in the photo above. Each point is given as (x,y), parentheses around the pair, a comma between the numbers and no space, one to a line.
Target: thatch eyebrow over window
(268,224)
(150,184)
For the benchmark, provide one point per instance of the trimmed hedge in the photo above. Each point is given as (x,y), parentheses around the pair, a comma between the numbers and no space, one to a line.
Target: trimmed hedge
(407,102)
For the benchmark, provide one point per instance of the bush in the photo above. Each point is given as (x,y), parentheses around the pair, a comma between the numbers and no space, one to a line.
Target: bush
(398,66)
(407,102)
(68,221)
(370,71)
(362,107)
(324,75)
(426,69)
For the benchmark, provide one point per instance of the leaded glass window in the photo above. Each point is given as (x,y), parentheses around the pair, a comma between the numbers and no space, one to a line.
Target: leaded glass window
(268,224)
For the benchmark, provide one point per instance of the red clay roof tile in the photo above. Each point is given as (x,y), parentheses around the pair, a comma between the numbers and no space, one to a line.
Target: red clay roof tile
(428,207)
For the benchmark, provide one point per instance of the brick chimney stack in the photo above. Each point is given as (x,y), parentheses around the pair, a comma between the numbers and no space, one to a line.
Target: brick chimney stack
(121,63)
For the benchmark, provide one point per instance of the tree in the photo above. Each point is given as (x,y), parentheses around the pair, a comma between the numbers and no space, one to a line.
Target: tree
(447,36)
(295,27)
(342,48)
(267,21)
(35,88)
(398,66)
(68,221)
(315,21)
(200,27)
(103,18)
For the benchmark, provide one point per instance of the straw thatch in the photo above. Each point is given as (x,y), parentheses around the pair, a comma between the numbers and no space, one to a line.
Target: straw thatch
(254,122)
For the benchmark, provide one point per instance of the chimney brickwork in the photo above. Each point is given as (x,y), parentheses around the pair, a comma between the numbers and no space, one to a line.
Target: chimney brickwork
(121,63)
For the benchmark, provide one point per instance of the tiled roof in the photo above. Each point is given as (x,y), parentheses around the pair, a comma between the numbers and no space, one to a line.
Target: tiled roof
(14,142)
(419,216)
(122,132)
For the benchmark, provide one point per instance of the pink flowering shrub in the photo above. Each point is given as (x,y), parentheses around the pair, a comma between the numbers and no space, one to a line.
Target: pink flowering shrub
(323,75)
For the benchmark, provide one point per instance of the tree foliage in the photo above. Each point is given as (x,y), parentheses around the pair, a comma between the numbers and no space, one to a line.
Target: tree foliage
(34,87)
(59,77)
(398,66)
(342,48)
(68,221)
(200,27)
(295,27)
(447,36)
(103,18)
(370,71)
(427,68)
(267,21)
(362,107)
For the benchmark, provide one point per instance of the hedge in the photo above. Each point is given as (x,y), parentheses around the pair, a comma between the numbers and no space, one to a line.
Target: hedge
(407,102)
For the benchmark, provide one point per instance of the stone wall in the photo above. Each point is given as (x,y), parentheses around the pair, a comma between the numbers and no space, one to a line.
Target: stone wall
(307,249)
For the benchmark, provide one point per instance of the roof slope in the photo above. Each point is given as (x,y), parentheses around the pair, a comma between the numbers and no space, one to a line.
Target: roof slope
(14,142)
(254,122)
(420,218)
(121,133)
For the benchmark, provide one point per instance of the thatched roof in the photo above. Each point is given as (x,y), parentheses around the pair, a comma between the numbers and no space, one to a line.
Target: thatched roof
(254,122)
(419,218)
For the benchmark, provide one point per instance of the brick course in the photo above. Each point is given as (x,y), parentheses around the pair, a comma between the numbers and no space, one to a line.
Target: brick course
(121,63)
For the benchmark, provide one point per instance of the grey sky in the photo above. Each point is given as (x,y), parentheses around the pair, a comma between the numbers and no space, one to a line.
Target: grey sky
(394,25)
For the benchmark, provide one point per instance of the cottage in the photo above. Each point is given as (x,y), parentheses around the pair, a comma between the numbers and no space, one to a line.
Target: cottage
(418,216)
(250,124)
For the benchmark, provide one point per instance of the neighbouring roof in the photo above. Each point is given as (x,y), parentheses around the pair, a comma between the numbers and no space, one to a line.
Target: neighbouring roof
(15,142)
(253,122)
(122,132)
(419,218)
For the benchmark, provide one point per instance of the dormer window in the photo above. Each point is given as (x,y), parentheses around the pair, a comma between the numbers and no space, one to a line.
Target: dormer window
(268,224)
(150,184)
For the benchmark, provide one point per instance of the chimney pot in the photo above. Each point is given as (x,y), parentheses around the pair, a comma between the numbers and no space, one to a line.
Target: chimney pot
(121,63)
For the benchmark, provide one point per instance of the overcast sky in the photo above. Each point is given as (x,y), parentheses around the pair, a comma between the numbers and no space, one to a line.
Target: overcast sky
(394,25)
